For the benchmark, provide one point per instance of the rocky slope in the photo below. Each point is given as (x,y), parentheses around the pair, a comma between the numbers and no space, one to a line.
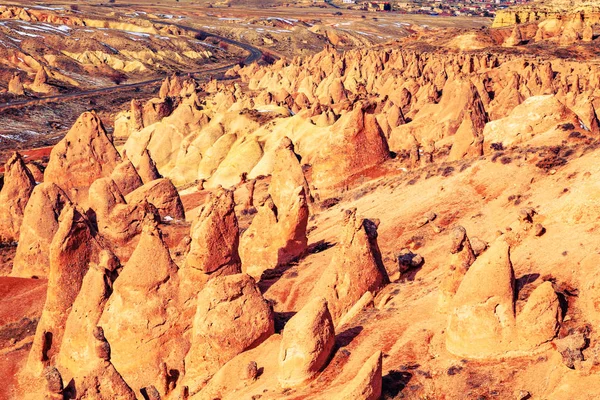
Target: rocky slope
(375,223)
(49,51)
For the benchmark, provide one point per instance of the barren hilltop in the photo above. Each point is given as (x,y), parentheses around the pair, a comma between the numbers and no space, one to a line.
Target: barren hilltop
(299,202)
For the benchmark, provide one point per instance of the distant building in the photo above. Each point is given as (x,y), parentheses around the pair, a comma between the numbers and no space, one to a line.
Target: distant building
(379,6)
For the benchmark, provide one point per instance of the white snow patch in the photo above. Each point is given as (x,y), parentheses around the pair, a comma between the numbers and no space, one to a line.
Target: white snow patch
(288,21)
(48,8)
(26,34)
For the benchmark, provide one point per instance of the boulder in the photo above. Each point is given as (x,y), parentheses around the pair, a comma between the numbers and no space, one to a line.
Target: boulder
(306,344)
(232,316)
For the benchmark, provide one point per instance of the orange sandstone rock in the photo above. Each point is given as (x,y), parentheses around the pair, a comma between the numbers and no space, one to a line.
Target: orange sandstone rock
(18,185)
(306,344)
(232,316)
(40,223)
(355,268)
(85,154)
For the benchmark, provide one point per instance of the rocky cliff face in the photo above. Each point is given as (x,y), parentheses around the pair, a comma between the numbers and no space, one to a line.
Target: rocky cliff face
(588,11)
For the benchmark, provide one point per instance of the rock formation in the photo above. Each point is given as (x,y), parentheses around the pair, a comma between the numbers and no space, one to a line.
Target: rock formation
(287,174)
(522,124)
(515,39)
(276,236)
(71,250)
(142,311)
(356,143)
(214,244)
(14,195)
(461,258)
(40,83)
(40,223)
(146,168)
(356,266)
(15,85)
(117,220)
(78,347)
(482,321)
(367,384)
(85,154)
(231,317)
(100,380)
(126,177)
(306,344)
(54,384)
(161,194)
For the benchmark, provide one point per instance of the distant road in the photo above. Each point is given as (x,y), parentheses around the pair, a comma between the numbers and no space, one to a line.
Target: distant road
(255,55)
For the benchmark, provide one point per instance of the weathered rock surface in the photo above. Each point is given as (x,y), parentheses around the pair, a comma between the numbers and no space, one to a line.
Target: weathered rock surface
(356,266)
(140,315)
(85,154)
(306,344)
(367,384)
(161,194)
(40,223)
(231,317)
(214,245)
(71,250)
(14,195)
